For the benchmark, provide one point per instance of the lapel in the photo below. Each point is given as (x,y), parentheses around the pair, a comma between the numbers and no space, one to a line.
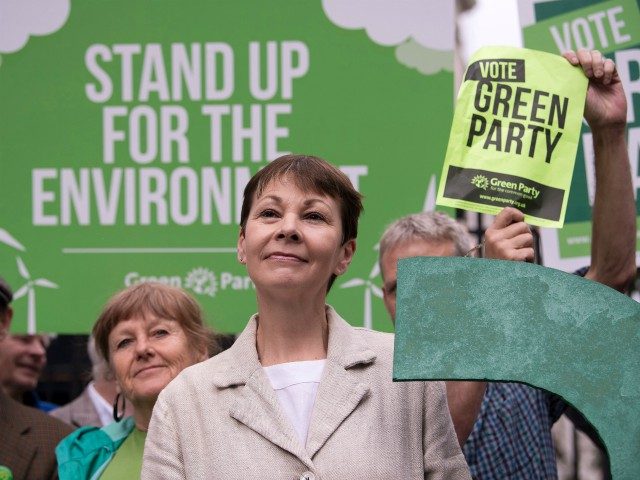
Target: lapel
(17,451)
(256,404)
(339,393)
(341,389)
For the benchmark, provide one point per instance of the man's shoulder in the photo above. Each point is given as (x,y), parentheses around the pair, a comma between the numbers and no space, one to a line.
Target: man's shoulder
(32,426)
(79,412)
(81,403)
(502,395)
(519,392)
(29,439)
(39,423)
(528,403)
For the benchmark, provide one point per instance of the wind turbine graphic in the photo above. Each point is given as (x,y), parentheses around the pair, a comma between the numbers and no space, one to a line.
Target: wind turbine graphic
(430,196)
(7,239)
(370,288)
(29,290)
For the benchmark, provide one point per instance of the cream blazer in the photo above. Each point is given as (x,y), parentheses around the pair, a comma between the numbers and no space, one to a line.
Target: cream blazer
(221,419)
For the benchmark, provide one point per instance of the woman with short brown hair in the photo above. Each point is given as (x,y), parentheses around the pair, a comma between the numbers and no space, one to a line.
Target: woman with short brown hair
(148,333)
(301,393)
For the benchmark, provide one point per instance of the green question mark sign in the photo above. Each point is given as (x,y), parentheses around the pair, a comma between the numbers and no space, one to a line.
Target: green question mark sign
(477,319)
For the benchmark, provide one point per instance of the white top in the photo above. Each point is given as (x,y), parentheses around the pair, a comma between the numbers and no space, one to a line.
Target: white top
(104,409)
(296,386)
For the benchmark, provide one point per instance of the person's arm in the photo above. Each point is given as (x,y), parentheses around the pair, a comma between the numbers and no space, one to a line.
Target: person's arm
(442,457)
(613,235)
(465,400)
(508,238)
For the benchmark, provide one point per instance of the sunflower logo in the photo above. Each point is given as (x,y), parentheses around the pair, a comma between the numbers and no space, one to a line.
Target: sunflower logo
(202,281)
(480,181)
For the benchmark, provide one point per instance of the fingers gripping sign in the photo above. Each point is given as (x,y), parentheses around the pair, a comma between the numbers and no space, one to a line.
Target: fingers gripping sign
(606,103)
(509,237)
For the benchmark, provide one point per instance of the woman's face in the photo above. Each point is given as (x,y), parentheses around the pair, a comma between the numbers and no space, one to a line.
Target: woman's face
(146,353)
(293,239)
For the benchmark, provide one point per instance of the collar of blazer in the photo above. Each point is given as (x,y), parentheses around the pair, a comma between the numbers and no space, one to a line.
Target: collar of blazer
(341,389)
(238,363)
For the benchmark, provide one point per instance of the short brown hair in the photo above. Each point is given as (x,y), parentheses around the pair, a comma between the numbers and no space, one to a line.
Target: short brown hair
(161,300)
(310,174)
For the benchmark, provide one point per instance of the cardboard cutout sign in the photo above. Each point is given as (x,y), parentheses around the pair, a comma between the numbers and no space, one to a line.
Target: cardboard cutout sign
(477,319)
(514,135)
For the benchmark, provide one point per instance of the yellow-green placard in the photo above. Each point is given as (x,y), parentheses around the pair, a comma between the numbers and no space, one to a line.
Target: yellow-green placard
(514,135)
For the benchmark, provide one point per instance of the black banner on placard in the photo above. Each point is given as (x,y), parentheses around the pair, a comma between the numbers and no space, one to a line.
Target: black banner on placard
(498,189)
(496,70)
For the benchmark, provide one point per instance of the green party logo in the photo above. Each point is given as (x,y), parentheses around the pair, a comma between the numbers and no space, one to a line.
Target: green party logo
(202,281)
(199,280)
(480,181)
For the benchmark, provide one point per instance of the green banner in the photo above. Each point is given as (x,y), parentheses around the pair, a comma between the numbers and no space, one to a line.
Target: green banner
(514,135)
(614,28)
(130,128)
(605,26)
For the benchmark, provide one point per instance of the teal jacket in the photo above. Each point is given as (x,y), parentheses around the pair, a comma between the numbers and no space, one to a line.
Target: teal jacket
(87,451)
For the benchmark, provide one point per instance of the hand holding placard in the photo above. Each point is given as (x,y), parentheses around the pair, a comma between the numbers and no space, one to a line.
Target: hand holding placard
(509,237)
(514,135)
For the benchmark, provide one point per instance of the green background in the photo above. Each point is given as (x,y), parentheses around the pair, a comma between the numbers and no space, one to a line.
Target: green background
(574,238)
(357,105)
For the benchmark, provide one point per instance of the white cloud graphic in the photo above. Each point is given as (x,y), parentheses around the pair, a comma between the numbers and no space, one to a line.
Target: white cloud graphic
(425,60)
(20,19)
(389,23)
